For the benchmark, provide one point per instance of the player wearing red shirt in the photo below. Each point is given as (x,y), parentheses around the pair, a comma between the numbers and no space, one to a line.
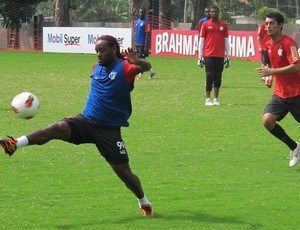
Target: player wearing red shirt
(262,38)
(212,46)
(283,54)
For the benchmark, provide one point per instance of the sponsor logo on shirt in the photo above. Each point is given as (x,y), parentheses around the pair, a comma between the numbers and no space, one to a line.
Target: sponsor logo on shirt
(294,53)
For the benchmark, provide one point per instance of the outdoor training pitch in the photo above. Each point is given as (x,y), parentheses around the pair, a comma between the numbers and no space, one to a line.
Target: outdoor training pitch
(201,167)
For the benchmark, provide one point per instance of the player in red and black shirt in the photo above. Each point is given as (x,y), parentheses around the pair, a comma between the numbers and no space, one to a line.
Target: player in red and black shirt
(262,38)
(283,57)
(212,46)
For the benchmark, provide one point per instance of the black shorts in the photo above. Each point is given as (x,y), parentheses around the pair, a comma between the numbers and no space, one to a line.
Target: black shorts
(213,67)
(214,64)
(107,139)
(280,107)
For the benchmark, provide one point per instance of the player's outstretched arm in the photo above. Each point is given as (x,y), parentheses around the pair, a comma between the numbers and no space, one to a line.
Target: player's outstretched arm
(132,57)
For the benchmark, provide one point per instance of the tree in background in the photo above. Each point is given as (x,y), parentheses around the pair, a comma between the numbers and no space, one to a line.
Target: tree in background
(261,13)
(165,13)
(14,13)
(199,6)
(100,11)
(62,13)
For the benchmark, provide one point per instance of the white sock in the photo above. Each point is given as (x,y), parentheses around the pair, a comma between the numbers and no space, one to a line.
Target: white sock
(143,201)
(22,141)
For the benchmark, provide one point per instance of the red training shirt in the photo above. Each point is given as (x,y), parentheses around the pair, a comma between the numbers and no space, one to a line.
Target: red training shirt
(214,34)
(262,33)
(284,53)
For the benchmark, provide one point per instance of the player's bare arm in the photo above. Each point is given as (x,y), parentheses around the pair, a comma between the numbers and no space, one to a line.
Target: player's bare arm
(266,71)
(132,57)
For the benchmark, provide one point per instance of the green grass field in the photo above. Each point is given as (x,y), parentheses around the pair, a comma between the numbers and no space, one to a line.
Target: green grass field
(201,167)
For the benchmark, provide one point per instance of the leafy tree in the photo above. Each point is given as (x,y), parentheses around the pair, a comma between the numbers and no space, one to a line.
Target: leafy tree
(15,12)
(100,11)
(262,13)
(199,6)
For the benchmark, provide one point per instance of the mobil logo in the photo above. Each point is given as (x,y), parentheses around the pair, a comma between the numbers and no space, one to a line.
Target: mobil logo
(65,39)
(92,39)
(55,38)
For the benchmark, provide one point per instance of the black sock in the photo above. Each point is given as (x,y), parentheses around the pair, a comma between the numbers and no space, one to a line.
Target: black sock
(281,135)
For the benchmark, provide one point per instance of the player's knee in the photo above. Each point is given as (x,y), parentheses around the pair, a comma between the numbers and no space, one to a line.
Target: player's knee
(217,84)
(208,83)
(60,129)
(268,121)
(208,87)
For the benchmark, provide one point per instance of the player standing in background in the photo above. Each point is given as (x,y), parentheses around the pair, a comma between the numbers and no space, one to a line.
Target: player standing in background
(107,109)
(262,38)
(212,46)
(206,17)
(282,53)
(142,36)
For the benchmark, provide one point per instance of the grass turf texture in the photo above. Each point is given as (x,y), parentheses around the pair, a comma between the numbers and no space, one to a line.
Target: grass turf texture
(201,167)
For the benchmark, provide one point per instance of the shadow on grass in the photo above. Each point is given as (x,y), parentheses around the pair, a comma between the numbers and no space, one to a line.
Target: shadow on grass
(187,216)
(194,217)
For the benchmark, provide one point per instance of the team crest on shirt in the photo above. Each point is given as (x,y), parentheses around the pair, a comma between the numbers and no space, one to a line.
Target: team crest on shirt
(112,75)
(221,28)
(279,52)
(294,53)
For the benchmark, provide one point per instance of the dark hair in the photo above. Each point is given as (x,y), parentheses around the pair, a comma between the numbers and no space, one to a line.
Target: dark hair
(214,7)
(278,17)
(112,41)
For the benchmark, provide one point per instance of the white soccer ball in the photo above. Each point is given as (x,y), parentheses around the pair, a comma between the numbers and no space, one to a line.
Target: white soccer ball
(25,105)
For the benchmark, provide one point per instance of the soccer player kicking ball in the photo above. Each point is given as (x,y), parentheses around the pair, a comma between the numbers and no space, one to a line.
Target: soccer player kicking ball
(284,59)
(107,109)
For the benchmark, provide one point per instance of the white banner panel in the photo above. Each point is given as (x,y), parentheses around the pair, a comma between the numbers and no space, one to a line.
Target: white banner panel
(81,39)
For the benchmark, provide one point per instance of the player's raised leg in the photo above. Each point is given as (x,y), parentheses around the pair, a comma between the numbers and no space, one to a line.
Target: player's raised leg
(59,130)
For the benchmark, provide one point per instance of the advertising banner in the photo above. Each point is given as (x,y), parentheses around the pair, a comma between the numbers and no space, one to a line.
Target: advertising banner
(184,43)
(81,39)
